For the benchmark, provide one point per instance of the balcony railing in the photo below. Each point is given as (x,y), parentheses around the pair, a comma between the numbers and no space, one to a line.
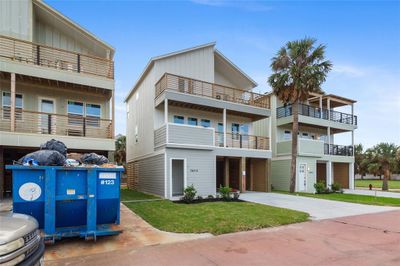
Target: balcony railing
(42,55)
(342,150)
(311,111)
(56,124)
(210,90)
(241,141)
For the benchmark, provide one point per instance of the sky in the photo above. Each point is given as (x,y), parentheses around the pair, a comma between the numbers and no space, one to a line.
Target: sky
(362,39)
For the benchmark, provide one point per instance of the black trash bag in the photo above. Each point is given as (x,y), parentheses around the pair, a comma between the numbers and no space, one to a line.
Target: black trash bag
(55,145)
(44,158)
(94,158)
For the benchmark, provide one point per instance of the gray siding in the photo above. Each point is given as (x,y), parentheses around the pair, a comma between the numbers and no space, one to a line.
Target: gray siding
(280,174)
(200,169)
(151,175)
(160,136)
(16,19)
(181,134)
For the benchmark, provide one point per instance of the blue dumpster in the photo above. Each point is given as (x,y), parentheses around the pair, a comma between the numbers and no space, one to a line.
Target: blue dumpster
(69,201)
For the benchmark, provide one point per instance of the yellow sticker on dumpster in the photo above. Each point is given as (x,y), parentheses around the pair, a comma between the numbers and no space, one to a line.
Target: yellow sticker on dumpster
(70,191)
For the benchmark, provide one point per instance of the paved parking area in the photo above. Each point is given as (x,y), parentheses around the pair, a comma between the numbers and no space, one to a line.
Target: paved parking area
(317,208)
(372,239)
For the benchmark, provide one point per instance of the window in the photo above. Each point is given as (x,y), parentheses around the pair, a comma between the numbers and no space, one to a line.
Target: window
(287,134)
(179,119)
(220,131)
(192,121)
(220,127)
(244,130)
(75,113)
(235,131)
(7,106)
(205,123)
(136,134)
(304,135)
(93,113)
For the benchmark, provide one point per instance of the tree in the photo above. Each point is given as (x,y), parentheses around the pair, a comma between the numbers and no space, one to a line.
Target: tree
(382,160)
(298,69)
(120,150)
(360,166)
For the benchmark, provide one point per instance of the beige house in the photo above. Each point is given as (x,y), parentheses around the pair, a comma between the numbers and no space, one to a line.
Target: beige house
(56,81)
(190,122)
(320,157)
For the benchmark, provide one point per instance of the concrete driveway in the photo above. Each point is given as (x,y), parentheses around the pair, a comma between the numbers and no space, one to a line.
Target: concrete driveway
(317,208)
(372,239)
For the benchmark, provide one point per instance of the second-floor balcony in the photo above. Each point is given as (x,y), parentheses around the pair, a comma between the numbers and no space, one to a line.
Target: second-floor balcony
(210,90)
(309,147)
(207,137)
(41,55)
(316,112)
(55,124)
(343,150)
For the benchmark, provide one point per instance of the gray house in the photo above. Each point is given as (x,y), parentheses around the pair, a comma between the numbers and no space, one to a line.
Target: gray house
(56,81)
(190,122)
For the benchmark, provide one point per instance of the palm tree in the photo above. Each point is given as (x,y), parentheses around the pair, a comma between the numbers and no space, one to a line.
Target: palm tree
(298,69)
(120,150)
(382,158)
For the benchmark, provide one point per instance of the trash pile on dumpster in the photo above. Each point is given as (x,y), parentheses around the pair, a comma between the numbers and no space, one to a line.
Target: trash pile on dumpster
(55,153)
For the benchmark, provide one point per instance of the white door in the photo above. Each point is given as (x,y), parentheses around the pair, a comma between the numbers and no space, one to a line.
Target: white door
(47,120)
(302,177)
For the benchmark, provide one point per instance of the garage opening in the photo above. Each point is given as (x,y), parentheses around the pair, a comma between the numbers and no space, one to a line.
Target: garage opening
(321,172)
(341,174)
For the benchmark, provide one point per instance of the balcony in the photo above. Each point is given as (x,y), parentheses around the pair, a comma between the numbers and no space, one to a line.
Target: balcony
(305,147)
(241,141)
(342,150)
(56,124)
(316,112)
(210,90)
(207,137)
(45,56)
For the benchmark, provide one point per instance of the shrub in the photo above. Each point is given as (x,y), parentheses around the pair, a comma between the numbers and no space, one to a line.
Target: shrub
(320,187)
(225,192)
(336,187)
(210,197)
(189,194)
(199,198)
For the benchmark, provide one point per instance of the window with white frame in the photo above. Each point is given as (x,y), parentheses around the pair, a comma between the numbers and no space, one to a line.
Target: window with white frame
(205,123)
(75,113)
(287,135)
(192,121)
(6,104)
(178,119)
(93,114)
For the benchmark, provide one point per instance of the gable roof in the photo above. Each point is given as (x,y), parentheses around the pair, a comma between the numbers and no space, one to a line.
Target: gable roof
(72,24)
(150,64)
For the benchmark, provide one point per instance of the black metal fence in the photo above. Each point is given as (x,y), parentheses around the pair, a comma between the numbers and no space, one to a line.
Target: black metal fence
(343,150)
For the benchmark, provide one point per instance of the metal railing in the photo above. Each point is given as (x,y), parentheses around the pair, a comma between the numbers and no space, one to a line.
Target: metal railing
(333,149)
(56,124)
(235,140)
(42,55)
(312,111)
(210,90)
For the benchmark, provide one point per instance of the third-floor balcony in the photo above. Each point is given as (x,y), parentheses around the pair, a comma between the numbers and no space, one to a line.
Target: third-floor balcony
(195,87)
(41,55)
(316,112)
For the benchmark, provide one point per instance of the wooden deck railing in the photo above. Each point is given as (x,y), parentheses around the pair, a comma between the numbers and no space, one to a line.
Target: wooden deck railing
(210,90)
(56,124)
(234,140)
(42,55)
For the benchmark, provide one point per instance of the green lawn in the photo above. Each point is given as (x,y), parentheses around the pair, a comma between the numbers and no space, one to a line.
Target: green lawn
(393,184)
(212,217)
(127,195)
(362,199)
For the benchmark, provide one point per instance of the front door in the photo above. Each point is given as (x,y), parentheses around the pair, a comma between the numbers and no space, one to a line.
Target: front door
(302,177)
(177,176)
(47,120)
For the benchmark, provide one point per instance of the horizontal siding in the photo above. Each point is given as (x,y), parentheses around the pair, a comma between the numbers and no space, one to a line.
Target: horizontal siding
(160,136)
(148,175)
(190,135)
(200,169)
(280,175)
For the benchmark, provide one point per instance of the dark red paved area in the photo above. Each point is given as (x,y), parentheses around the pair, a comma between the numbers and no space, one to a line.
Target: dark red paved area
(372,239)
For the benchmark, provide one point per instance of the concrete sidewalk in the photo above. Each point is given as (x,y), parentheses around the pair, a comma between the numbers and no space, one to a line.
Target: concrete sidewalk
(372,239)
(317,208)
(376,193)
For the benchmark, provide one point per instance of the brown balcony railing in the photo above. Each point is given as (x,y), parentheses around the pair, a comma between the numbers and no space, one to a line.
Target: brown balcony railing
(42,55)
(242,141)
(56,124)
(343,150)
(210,90)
